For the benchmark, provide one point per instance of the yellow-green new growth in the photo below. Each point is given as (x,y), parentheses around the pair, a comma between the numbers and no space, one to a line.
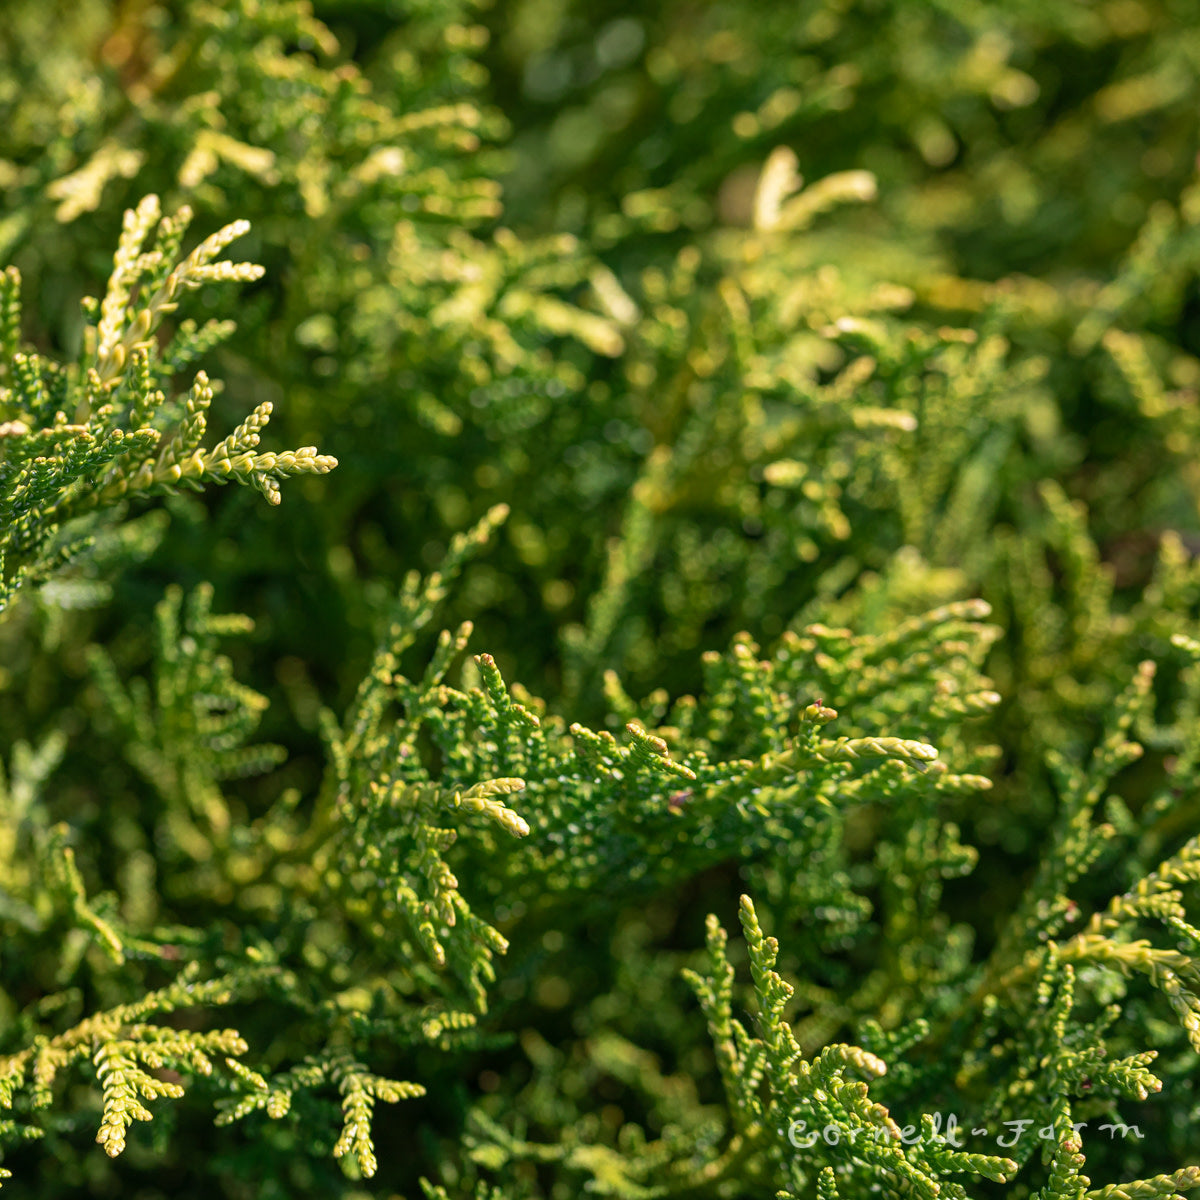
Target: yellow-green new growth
(128,320)
(481,799)
(128,432)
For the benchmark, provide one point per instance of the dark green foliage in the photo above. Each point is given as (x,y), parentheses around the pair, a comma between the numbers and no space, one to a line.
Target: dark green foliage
(787,417)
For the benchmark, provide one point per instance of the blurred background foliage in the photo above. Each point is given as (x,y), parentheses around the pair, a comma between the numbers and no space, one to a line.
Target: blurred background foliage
(1009,143)
(547,253)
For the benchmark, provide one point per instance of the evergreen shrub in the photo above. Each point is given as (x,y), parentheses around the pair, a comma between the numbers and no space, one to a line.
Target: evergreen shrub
(716,712)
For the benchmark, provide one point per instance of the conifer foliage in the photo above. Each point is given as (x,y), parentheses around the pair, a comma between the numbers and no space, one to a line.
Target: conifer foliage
(729,727)
(59,467)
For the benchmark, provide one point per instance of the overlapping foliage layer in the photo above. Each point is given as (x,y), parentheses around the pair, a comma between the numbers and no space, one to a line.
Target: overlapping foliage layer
(765,493)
